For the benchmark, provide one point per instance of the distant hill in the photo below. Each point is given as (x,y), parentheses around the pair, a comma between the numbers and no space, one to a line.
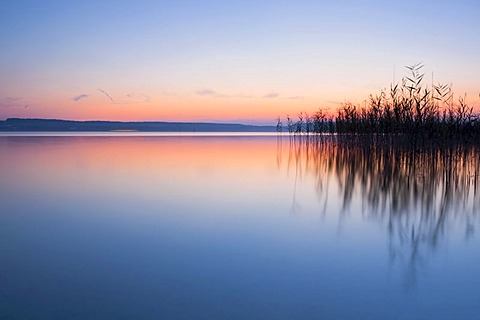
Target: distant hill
(49,125)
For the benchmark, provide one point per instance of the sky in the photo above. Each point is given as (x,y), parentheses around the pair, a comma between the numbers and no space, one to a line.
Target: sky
(225,61)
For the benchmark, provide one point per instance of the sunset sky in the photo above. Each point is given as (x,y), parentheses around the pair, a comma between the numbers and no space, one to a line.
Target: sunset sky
(226,61)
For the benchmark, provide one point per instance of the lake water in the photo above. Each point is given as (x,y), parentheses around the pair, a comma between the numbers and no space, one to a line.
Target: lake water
(236,227)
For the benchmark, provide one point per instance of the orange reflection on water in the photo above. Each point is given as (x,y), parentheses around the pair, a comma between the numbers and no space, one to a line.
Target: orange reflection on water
(189,168)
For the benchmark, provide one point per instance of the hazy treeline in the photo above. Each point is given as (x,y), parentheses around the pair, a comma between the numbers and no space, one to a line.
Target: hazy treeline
(57,125)
(410,108)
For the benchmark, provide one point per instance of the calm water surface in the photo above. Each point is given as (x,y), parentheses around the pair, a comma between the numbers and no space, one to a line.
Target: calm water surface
(236,227)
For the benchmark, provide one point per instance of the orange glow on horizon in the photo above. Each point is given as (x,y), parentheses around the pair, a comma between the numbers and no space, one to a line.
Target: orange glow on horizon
(202,109)
(187,108)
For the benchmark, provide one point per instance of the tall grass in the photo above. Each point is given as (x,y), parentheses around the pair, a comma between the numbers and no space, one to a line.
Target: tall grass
(410,108)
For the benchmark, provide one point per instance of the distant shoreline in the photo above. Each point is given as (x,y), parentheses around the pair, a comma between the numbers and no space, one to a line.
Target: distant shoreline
(58,125)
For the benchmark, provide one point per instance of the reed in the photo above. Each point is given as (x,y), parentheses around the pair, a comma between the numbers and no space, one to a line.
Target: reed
(409,108)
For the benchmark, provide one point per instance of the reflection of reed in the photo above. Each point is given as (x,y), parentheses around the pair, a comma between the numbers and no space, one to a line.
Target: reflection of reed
(418,193)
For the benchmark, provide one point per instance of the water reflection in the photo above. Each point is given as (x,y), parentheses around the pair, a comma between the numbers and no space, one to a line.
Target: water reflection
(208,228)
(419,195)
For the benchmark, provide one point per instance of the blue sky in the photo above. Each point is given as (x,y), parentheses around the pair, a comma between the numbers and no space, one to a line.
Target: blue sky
(257,59)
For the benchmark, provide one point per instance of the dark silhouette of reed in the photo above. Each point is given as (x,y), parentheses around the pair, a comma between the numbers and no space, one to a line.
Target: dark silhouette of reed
(409,108)
(410,155)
